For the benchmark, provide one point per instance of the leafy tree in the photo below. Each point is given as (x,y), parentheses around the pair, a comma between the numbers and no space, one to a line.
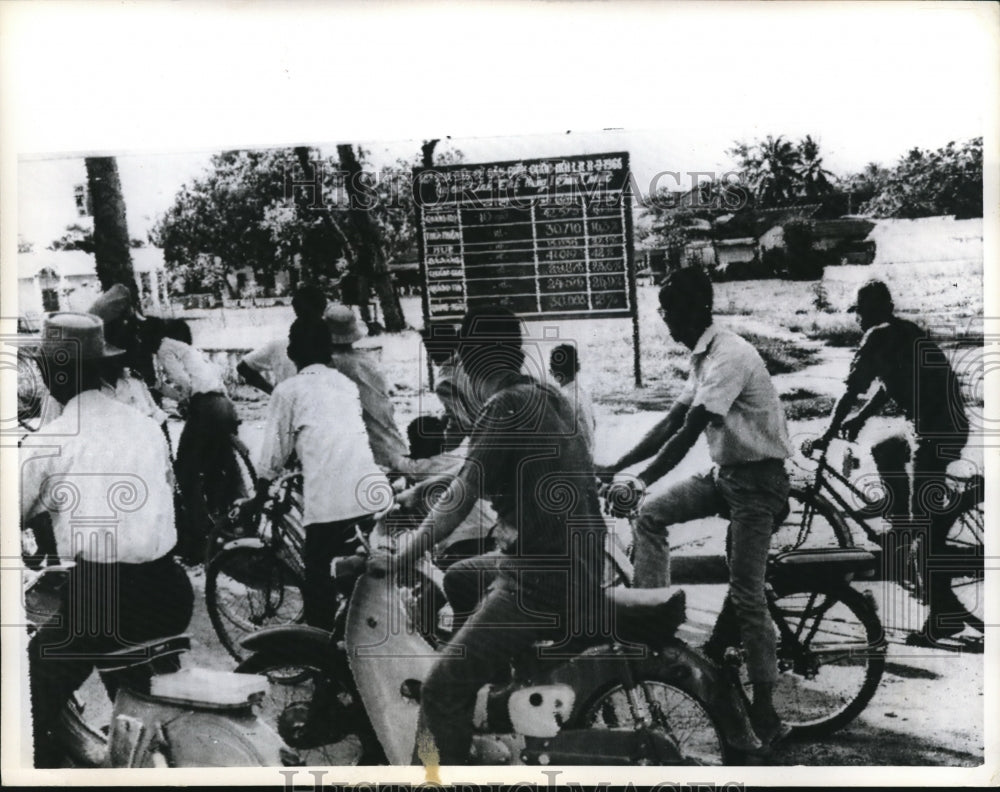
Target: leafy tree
(948,181)
(217,220)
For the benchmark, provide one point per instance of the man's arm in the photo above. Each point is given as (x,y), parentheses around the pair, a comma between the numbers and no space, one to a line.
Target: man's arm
(654,439)
(859,379)
(279,441)
(852,426)
(677,447)
(445,515)
(253,377)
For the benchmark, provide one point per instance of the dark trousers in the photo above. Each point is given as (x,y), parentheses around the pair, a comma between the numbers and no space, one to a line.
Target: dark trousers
(203,453)
(324,542)
(104,608)
(927,510)
(481,651)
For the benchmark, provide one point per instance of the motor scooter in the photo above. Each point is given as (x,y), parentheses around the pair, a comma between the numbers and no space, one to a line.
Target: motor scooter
(163,715)
(638,695)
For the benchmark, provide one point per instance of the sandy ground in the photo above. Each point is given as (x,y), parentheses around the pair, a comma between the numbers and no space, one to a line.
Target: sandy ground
(905,724)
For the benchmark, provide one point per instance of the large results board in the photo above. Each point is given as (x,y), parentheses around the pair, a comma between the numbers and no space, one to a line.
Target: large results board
(544,237)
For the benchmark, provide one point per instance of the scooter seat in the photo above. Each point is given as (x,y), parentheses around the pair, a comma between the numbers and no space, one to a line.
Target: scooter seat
(648,616)
(140,654)
(206,688)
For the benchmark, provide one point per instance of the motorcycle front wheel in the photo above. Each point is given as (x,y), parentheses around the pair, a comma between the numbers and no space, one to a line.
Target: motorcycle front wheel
(661,705)
(313,709)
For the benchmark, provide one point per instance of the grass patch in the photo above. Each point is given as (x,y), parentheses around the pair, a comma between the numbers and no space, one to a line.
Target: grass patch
(802,404)
(781,356)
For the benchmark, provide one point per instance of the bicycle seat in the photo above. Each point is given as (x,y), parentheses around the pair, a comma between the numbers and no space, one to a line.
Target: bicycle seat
(815,569)
(140,654)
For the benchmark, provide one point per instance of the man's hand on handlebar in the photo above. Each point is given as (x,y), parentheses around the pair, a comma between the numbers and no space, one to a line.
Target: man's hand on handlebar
(622,498)
(850,428)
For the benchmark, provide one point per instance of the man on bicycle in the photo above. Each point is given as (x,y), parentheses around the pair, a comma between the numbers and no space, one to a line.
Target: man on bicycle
(527,458)
(730,396)
(317,414)
(912,371)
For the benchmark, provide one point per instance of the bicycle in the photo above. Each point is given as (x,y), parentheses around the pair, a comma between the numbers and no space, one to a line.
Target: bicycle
(829,495)
(830,641)
(256,575)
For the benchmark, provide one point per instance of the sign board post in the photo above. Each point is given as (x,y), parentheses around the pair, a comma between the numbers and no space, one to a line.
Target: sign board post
(547,238)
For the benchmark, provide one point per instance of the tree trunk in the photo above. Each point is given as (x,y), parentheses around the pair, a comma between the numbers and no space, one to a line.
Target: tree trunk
(371,261)
(427,153)
(111,246)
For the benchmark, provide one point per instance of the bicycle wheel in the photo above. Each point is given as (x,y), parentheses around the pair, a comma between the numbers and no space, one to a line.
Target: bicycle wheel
(831,655)
(812,522)
(309,705)
(236,479)
(247,588)
(677,714)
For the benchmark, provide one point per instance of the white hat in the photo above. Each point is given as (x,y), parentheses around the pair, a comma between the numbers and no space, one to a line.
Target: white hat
(343,324)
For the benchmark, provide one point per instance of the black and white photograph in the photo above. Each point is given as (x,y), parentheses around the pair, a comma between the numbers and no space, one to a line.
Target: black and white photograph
(544,392)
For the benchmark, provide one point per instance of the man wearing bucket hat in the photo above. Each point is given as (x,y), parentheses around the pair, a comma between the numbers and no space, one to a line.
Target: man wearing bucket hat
(110,462)
(133,369)
(914,372)
(387,443)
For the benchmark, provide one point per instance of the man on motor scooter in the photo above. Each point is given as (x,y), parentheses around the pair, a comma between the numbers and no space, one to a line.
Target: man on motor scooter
(913,371)
(527,458)
(730,397)
(101,470)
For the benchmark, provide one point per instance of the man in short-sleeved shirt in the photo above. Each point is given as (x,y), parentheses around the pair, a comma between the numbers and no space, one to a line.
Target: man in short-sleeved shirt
(527,459)
(914,372)
(729,395)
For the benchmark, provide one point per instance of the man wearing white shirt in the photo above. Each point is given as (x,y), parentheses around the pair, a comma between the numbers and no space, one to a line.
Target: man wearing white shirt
(102,473)
(317,415)
(730,397)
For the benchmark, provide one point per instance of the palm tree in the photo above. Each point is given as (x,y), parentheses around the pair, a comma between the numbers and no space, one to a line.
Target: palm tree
(811,171)
(770,169)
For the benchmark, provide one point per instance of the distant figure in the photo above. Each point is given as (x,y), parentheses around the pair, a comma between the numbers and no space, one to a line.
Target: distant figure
(564,366)
(268,365)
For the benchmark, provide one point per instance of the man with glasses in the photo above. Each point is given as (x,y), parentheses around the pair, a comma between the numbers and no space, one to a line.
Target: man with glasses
(730,396)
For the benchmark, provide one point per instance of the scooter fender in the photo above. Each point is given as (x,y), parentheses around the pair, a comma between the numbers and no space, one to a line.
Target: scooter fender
(387,656)
(297,640)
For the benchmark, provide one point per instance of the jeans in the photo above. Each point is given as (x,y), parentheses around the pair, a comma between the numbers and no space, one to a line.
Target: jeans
(751,495)
(924,511)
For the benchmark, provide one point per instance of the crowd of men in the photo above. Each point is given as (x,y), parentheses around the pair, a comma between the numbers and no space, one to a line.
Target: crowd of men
(510,450)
